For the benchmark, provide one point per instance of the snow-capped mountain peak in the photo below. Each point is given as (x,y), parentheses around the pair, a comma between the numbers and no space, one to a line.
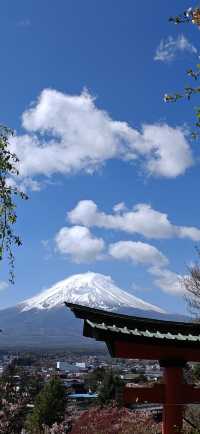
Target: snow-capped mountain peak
(89,289)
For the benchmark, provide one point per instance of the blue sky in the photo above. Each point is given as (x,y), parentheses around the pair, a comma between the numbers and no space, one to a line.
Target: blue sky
(82,84)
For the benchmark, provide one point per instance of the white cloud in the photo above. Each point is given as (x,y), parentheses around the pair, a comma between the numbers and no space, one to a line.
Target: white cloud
(119,207)
(166,150)
(142,219)
(3,285)
(168,281)
(170,47)
(79,244)
(146,254)
(66,134)
(189,232)
(24,184)
(138,252)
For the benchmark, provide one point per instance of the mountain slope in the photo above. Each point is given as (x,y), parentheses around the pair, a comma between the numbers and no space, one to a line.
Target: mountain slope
(44,321)
(90,289)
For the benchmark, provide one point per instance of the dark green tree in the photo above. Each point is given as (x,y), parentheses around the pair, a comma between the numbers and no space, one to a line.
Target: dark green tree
(49,407)
(110,388)
(8,196)
(95,378)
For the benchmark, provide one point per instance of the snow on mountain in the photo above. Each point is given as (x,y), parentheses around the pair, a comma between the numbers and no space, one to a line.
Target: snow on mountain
(89,289)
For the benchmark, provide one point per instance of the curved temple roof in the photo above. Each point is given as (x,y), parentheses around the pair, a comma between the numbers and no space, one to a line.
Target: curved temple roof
(137,337)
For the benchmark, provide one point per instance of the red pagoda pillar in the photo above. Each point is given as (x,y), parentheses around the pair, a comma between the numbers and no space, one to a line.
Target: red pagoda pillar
(173,403)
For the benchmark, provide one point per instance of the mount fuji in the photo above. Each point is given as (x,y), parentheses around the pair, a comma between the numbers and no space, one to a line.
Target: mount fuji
(44,321)
(89,289)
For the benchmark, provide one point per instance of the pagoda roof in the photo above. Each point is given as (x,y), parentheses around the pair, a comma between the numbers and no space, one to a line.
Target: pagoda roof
(139,335)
